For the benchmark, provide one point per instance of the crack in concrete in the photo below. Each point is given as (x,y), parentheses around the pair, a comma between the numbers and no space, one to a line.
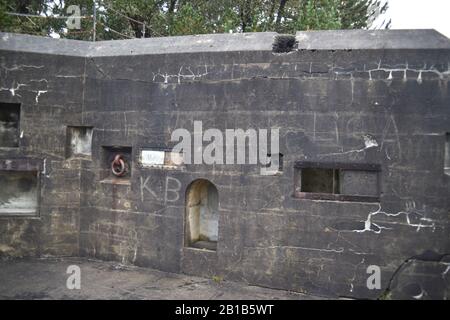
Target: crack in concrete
(369,142)
(13,90)
(339,250)
(19,67)
(441,74)
(424,222)
(180,75)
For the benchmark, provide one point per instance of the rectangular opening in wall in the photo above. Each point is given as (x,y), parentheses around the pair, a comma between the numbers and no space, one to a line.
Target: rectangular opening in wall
(320,180)
(9,125)
(359,182)
(79,141)
(19,193)
(334,181)
(447,154)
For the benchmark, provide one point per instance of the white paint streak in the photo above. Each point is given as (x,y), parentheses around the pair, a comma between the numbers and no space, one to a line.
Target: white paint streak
(369,142)
(405,69)
(340,250)
(38,93)
(19,67)
(13,90)
(181,75)
(423,221)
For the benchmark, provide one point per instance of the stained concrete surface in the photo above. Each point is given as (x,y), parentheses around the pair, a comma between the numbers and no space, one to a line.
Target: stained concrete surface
(46,279)
(372,101)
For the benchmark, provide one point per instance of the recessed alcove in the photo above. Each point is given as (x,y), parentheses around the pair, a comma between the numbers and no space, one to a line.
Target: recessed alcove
(202,215)
(79,141)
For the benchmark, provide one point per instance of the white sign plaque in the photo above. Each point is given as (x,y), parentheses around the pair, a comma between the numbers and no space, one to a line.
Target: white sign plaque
(152,158)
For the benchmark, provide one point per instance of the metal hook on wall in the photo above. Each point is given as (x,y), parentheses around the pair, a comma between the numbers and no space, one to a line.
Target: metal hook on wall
(118,166)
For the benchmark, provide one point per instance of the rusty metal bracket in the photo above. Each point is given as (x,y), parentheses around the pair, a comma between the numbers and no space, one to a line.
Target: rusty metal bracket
(118,166)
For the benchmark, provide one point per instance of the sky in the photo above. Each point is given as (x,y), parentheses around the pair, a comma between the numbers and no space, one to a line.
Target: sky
(420,14)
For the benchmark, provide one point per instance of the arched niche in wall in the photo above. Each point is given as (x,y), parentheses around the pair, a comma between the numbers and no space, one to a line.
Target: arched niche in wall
(202,215)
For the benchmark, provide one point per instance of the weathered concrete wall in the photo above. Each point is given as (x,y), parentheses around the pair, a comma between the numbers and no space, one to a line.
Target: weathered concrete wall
(381,102)
(49,90)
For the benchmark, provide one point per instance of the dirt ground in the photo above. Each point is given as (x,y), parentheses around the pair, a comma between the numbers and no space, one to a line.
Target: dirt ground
(46,279)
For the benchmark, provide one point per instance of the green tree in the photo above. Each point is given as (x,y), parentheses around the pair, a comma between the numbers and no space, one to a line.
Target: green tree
(357,14)
(318,15)
(24,24)
(118,19)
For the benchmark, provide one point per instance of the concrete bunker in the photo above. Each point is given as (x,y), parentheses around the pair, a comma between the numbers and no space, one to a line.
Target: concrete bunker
(202,215)
(322,99)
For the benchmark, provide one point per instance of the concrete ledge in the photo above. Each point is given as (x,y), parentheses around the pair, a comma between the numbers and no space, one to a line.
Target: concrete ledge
(371,39)
(261,41)
(36,44)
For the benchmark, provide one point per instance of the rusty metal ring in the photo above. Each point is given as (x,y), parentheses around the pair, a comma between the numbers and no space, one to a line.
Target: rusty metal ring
(118,166)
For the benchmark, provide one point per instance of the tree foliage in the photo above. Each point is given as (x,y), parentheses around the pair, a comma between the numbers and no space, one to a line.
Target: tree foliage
(118,19)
